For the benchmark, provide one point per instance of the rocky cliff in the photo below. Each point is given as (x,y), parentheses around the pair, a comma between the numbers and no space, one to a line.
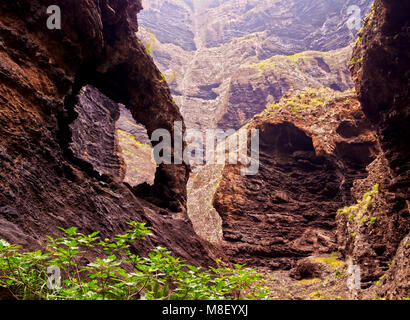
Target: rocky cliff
(265,220)
(296,25)
(254,85)
(77,105)
(313,145)
(59,156)
(380,69)
(205,49)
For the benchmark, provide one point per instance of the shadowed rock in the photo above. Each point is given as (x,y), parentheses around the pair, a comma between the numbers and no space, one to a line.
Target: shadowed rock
(45,184)
(93,132)
(381,72)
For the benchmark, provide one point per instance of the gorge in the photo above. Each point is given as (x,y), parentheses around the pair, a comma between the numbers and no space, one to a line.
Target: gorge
(79,106)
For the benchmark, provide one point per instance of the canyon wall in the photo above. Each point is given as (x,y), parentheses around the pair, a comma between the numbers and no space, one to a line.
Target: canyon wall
(350,153)
(48,177)
(321,149)
(381,71)
(313,145)
(209,52)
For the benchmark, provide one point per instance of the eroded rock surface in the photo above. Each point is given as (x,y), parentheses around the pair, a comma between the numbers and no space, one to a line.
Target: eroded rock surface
(287,211)
(44,184)
(208,71)
(136,150)
(380,69)
(395,283)
(369,232)
(201,189)
(94,132)
(254,85)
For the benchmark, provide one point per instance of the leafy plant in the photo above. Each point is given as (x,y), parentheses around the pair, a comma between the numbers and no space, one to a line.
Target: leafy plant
(119,273)
(358,212)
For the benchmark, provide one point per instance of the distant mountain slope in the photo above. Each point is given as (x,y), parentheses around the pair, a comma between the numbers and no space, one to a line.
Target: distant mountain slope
(200,46)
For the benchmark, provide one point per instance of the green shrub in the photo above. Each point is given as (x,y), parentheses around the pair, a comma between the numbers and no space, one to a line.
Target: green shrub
(359,211)
(118,274)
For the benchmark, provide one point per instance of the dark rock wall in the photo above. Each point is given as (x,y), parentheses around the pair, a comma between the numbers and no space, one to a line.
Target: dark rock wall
(371,244)
(381,71)
(288,210)
(43,184)
(93,132)
(382,77)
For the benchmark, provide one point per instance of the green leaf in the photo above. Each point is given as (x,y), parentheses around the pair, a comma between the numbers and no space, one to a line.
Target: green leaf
(70,231)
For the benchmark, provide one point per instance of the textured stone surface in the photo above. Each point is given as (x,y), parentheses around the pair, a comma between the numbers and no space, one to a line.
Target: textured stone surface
(297,25)
(136,150)
(313,161)
(254,85)
(43,184)
(127,123)
(105,135)
(208,82)
(371,245)
(381,75)
(171,21)
(380,69)
(288,210)
(93,132)
(396,283)
(201,189)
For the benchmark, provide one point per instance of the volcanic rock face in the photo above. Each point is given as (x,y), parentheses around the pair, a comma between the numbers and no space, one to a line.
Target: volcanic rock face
(171,21)
(136,150)
(380,69)
(298,25)
(370,232)
(254,85)
(381,74)
(215,76)
(46,179)
(288,209)
(105,135)
(93,132)
(396,283)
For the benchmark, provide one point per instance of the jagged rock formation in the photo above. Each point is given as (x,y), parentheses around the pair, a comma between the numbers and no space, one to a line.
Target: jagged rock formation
(369,232)
(93,132)
(44,183)
(380,69)
(136,150)
(204,49)
(318,152)
(308,162)
(254,85)
(127,123)
(105,135)
(395,283)
(297,25)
